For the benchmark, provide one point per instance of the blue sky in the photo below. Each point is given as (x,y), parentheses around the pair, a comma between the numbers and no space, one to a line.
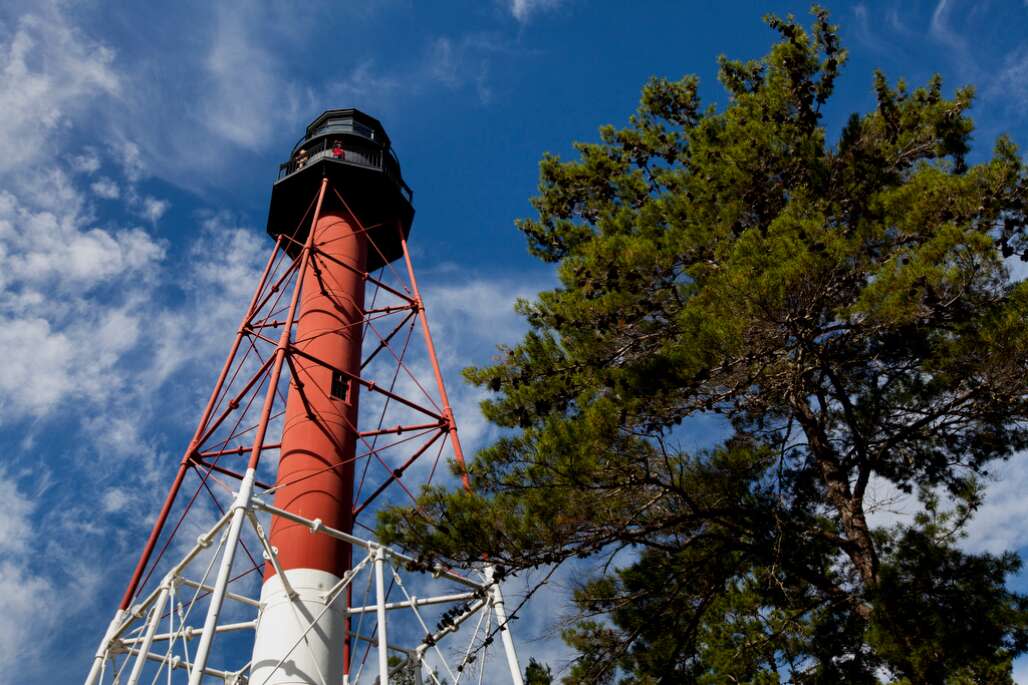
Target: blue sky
(138,146)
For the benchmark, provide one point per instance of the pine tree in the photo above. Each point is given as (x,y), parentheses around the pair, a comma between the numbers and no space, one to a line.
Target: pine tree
(537,673)
(842,309)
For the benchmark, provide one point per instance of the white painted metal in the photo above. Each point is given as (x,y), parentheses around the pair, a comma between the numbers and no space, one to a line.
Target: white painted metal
(416,602)
(101,651)
(151,630)
(381,600)
(299,626)
(240,507)
(503,624)
(299,639)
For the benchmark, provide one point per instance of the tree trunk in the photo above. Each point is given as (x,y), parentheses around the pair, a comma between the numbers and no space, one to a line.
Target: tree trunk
(860,548)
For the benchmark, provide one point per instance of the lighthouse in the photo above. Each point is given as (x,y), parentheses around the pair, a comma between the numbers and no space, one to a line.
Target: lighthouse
(341,149)
(307,430)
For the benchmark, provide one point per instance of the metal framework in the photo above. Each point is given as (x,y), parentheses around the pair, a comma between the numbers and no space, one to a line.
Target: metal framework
(206,551)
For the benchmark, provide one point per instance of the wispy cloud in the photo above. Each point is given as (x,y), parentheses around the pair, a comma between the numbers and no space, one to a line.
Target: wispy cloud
(51,73)
(34,604)
(65,331)
(941,30)
(464,62)
(994,527)
(523,10)
(246,96)
(865,34)
(106,188)
(1010,83)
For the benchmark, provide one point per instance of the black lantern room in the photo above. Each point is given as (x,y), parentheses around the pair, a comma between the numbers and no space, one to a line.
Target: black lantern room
(353,151)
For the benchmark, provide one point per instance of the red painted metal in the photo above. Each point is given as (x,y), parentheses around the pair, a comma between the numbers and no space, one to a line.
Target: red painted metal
(313,289)
(184,464)
(315,472)
(458,452)
(283,341)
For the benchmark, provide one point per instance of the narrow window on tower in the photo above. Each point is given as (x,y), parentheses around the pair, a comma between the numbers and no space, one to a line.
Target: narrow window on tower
(339,385)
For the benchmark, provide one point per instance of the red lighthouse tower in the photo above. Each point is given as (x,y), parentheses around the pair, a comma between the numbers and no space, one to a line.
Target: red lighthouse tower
(319,415)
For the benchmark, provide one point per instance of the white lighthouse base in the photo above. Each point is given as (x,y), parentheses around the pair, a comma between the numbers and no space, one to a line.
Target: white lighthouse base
(298,639)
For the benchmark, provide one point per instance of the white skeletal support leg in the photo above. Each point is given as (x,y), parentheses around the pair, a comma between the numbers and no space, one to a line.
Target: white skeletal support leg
(383,642)
(151,630)
(239,507)
(496,598)
(101,652)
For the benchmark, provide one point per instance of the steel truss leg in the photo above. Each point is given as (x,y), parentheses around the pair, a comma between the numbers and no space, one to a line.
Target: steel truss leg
(151,630)
(184,464)
(383,642)
(496,598)
(224,574)
(101,653)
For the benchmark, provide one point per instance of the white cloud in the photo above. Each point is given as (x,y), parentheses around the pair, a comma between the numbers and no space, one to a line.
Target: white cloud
(106,188)
(29,600)
(69,301)
(50,364)
(941,30)
(65,340)
(41,371)
(115,500)
(998,526)
(1017,268)
(224,265)
(15,528)
(523,10)
(1009,85)
(30,610)
(466,62)
(50,74)
(994,528)
(442,63)
(886,505)
(55,248)
(895,21)
(87,163)
(246,96)
(130,159)
(868,31)
(153,208)
(468,319)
